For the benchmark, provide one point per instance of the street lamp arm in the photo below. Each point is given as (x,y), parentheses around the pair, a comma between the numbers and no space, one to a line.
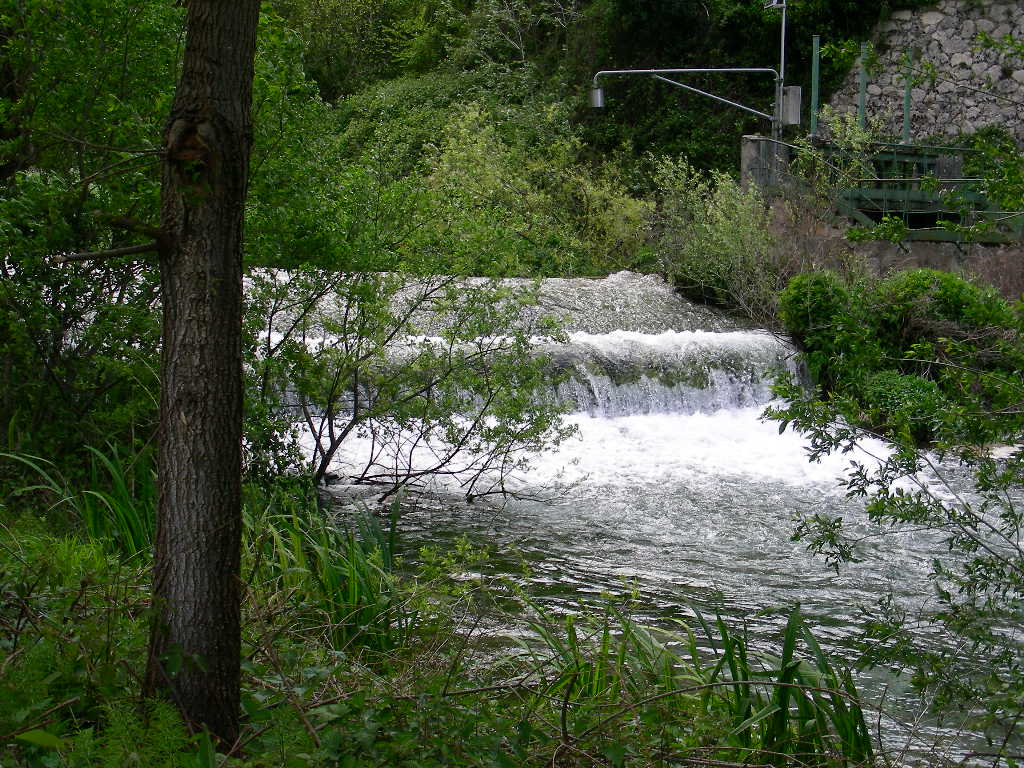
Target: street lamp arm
(736,104)
(749,70)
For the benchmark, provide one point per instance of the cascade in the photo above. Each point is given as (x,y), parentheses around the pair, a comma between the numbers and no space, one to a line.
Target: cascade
(672,493)
(635,346)
(624,372)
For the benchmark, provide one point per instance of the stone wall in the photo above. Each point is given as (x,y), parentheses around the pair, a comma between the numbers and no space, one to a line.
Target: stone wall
(971,88)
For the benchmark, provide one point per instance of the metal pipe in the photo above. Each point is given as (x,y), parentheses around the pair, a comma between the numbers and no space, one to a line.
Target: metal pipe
(765,115)
(863,95)
(908,77)
(815,81)
(749,70)
(782,47)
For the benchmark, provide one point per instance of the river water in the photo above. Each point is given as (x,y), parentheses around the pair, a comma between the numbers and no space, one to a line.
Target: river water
(673,488)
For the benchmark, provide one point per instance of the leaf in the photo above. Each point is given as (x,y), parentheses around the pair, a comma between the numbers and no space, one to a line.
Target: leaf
(206,757)
(770,709)
(41,738)
(616,754)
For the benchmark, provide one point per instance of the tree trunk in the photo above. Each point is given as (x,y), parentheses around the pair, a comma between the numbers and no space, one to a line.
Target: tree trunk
(194,653)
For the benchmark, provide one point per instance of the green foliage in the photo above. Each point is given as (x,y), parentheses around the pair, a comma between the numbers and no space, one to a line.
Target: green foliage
(898,403)
(116,510)
(340,586)
(817,309)
(78,341)
(947,373)
(891,229)
(926,335)
(442,363)
(127,735)
(715,242)
(1000,162)
(742,705)
(381,666)
(72,627)
(812,304)
(916,301)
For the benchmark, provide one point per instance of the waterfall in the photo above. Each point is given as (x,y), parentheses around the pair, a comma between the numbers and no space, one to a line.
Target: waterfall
(624,372)
(671,491)
(636,347)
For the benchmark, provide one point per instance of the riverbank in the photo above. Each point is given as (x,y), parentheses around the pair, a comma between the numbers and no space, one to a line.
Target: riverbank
(396,676)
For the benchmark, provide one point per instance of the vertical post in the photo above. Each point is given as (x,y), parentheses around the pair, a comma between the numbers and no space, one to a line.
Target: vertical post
(782,46)
(863,95)
(908,82)
(815,84)
(777,112)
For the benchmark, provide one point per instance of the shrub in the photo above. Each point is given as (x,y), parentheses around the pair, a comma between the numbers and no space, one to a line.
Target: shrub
(825,318)
(928,303)
(901,403)
(901,349)
(714,241)
(812,303)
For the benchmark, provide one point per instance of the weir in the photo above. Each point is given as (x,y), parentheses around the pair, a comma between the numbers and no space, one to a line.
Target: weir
(624,372)
(672,483)
(636,347)
(673,493)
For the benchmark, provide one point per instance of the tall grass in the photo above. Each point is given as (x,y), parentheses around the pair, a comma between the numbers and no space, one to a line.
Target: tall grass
(793,708)
(338,582)
(118,508)
(788,706)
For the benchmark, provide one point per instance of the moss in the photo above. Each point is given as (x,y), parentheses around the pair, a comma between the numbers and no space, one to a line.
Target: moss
(694,376)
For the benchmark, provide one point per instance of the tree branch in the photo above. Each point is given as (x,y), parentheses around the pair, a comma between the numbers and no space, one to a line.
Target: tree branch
(130,225)
(104,147)
(112,253)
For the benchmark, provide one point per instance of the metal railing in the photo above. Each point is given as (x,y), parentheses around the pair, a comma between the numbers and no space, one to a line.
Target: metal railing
(923,186)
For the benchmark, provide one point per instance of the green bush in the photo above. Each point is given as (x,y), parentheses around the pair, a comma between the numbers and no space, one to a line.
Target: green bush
(714,241)
(902,348)
(921,303)
(827,319)
(902,403)
(812,304)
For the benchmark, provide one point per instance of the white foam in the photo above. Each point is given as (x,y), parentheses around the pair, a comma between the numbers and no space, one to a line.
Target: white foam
(655,448)
(678,340)
(638,450)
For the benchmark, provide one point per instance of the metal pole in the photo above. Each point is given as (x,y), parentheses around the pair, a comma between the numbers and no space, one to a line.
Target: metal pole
(713,96)
(687,70)
(779,85)
(908,76)
(815,78)
(782,46)
(862,98)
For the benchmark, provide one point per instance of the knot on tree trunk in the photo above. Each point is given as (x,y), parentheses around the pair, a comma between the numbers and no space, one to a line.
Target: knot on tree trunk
(190,149)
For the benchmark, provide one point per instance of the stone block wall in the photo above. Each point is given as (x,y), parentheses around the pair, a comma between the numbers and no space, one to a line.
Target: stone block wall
(971,87)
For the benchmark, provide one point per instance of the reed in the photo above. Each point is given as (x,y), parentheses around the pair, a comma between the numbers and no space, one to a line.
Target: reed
(751,708)
(118,508)
(788,707)
(338,581)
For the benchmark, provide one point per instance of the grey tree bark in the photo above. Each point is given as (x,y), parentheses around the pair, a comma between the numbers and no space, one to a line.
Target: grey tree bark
(194,653)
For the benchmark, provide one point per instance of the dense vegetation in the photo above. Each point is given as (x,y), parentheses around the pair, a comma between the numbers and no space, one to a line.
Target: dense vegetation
(427,138)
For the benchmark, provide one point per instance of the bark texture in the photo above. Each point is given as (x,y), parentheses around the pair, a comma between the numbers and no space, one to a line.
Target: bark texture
(194,651)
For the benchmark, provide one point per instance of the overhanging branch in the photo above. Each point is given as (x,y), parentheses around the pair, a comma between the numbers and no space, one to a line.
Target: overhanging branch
(130,250)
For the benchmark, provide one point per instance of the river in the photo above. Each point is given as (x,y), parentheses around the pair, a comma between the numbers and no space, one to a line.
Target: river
(675,491)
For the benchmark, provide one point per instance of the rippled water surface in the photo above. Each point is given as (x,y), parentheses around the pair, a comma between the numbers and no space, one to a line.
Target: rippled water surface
(686,508)
(674,489)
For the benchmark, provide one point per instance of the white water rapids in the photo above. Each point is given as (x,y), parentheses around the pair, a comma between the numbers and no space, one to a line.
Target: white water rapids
(673,488)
